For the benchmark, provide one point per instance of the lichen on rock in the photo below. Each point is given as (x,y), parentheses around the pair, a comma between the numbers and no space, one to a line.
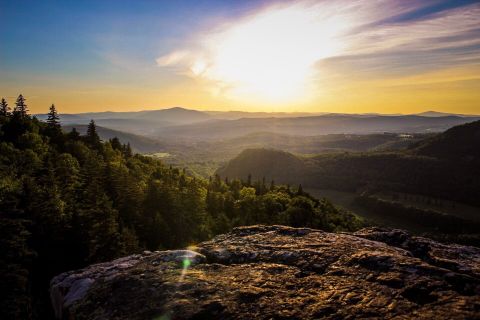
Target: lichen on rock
(280,272)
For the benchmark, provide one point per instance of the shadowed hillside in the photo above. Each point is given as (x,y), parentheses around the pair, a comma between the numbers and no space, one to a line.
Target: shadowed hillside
(431,187)
(461,142)
(444,166)
(264,163)
(138,143)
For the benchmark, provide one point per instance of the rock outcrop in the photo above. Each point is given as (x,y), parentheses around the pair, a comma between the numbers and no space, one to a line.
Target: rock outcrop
(276,272)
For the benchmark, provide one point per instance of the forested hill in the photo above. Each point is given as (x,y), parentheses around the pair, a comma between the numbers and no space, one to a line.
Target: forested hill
(460,142)
(69,200)
(445,166)
(138,143)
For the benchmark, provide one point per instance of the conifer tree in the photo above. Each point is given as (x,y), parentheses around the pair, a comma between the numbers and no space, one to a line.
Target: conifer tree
(53,118)
(4,109)
(92,136)
(21,107)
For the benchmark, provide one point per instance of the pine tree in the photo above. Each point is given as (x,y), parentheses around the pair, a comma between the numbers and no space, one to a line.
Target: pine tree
(53,118)
(92,136)
(21,107)
(4,109)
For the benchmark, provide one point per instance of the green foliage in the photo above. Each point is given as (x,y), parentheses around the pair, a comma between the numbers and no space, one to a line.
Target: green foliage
(69,200)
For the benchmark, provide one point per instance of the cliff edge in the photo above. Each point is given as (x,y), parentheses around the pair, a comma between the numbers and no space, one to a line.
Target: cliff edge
(277,272)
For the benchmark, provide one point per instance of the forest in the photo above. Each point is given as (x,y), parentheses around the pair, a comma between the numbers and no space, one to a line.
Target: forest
(68,200)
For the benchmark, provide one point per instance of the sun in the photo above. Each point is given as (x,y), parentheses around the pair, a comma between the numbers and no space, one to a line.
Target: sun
(271,56)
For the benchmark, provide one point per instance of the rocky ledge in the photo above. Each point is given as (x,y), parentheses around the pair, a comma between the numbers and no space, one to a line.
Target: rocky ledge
(276,272)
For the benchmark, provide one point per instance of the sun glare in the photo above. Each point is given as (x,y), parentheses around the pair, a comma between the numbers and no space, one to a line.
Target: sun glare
(271,56)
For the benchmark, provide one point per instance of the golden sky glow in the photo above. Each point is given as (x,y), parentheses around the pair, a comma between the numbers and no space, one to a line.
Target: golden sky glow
(323,56)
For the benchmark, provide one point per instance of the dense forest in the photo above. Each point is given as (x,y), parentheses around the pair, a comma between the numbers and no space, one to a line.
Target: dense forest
(68,200)
(444,166)
(441,169)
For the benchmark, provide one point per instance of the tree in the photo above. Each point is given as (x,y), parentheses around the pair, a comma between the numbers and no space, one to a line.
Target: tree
(54,130)
(4,109)
(92,136)
(115,142)
(53,118)
(73,135)
(127,150)
(21,107)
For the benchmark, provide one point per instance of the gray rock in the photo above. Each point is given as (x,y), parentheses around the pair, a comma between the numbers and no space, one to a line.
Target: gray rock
(275,272)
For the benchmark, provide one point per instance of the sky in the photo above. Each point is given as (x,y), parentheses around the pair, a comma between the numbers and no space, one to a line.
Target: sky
(357,56)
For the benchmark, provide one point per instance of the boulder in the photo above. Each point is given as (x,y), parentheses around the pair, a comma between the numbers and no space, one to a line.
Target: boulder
(277,272)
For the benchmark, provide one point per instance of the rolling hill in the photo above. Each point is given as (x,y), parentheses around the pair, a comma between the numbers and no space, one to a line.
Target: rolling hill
(447,144)
(138,143)
(315,125)
(446,166)
(181,123)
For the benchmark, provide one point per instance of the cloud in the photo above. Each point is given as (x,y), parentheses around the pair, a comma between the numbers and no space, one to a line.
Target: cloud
(173,58)
(287,48)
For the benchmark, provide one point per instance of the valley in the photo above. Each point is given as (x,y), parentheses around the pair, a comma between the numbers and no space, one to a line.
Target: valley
(412,165)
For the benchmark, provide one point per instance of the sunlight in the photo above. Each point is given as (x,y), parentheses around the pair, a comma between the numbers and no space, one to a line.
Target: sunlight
(271,56)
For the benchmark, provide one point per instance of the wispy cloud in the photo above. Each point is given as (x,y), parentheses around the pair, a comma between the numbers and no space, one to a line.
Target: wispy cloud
(350,39)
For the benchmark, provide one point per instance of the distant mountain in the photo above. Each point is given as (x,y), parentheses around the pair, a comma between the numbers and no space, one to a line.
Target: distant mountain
(145,127)
(138,143)
(175,115)
(141,122)
(184,123)
(310,126)
(234,115)
(443,114)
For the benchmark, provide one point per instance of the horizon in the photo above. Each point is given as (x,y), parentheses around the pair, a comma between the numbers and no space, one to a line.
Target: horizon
(270,112)
(251,56)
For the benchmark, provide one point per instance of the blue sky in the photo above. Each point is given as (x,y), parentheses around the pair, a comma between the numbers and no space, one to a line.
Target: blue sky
(67,50)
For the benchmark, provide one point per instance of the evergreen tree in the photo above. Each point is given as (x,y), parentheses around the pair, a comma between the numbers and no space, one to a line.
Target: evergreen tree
(53,118)
(21,107)
(54,130)
(115,142)
(4,109)
(92,136)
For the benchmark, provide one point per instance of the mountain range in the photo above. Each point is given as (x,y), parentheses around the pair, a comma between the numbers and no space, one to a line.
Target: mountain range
(213,125)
